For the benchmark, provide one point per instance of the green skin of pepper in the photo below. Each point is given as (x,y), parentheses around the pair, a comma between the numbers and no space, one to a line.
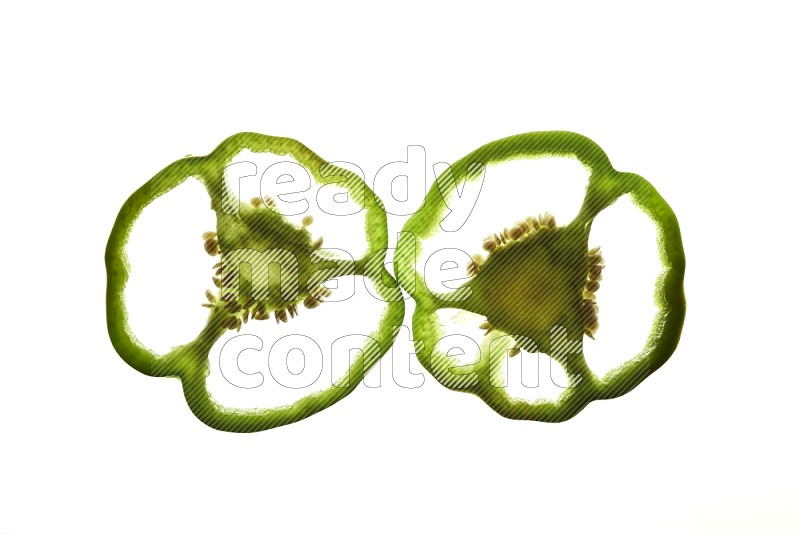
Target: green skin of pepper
(605,186)
(189,362)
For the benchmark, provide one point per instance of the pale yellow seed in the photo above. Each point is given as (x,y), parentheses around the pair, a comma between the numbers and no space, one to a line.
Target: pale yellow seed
(589,310)
(307,220)
(280,316)
(211,247)
(209,235)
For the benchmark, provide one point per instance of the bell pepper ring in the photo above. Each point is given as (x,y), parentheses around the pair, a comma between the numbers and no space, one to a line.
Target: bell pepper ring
(537,286)
(248,233)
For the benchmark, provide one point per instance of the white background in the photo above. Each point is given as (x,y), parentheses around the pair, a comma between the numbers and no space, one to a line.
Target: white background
(698,98)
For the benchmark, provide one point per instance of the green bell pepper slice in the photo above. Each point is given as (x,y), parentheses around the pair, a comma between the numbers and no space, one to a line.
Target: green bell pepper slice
(540,276)
(254,228)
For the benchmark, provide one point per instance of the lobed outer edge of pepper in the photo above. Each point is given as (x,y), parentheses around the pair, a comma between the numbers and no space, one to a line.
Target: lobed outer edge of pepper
(189,362)
(605,186)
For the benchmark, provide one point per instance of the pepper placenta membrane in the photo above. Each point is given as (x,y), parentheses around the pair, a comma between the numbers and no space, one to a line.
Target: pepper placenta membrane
(536,288)
(249,237)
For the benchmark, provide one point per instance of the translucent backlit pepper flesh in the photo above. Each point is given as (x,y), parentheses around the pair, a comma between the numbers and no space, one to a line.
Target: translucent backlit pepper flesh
(537,287)
(244,233)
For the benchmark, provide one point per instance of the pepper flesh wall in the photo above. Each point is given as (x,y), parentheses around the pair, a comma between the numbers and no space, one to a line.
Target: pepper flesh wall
(537,286)
(248,236)
(537,276)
